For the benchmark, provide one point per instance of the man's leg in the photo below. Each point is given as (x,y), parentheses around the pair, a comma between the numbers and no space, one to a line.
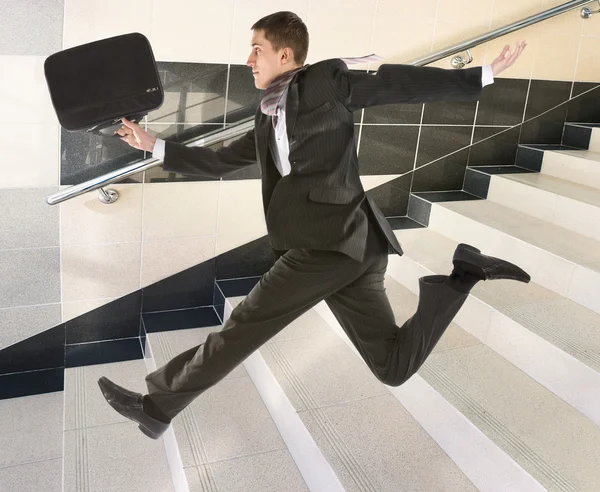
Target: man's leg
(298,280)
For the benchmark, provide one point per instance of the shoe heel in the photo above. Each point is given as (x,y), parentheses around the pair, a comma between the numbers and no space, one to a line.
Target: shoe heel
(151,435)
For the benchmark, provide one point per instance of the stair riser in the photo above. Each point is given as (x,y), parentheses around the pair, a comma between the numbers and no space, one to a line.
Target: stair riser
(595,140)
(573,215)
(564,277)
(571,168)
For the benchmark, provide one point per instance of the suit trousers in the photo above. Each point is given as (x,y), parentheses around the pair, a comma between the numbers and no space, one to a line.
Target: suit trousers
(299,280)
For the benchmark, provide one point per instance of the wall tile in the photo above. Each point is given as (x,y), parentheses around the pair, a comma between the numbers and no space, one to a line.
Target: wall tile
(88,354)
(173,210)
(247,13)
(249,260)
(241,214)
(243,97)
(393,114)
(370,182)
(501,148)
(523,67)
(392,197)
(86,220)
(42,351)
(449,113)
(586,107)
(380,152)
(335,36)
(505,12)
(96,271)
(27,221)
(587,69)
(545,129)
(546,94)
(203,30)
(445,174)
(17,37)
(438,141)
(560,42)
(166,257)
(24,96)
(19,323)
(87,20)
(503,102)
(30,277)
(30,155)
(119,319)
(73,309)
(31,383)
(454,11)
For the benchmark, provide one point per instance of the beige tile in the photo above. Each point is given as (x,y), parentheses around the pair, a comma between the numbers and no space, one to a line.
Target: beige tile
(33,477)
(506,12)
(457,10)
(247,13)
(241,214)
(24,96)
(166,257)
(551,47)
(73,309)
(87,20)
(86,220)
(203,33)
(173,210)
(340,28)
(588,68)
(524,65)
(591,27)
(30,154)
(99,271)
(448,34)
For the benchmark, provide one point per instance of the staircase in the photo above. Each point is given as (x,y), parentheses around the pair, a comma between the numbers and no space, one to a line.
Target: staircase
(508,401)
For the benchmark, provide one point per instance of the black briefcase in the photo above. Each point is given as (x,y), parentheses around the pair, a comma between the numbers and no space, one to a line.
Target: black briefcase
(94,85)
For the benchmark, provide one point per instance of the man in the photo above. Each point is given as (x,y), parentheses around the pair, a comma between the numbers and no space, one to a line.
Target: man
(331,240)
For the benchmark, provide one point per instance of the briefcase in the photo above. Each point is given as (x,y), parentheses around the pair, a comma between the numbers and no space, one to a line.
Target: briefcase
(94,85)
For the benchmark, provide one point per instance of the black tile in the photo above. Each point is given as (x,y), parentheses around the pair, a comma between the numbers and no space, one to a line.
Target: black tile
(357,115)
(219,302)
(238,287)
(447,196)
(181,319)
(194,93)
(439,141)
(85,156)
(503,102)
(544,95)
(445,174)
(387,149)
(477,183)
(394,114)
(32,383)
(545,129)
(577,136)
(419,210)
(191,288)
(143,336)
(450,113)
(248,172)
(586,107)
(42,351)
(529,158)
(248,260)
(499,148)
(117,319)
(402,223)
(87,354)
(501,169)
(243,97)
(392,197)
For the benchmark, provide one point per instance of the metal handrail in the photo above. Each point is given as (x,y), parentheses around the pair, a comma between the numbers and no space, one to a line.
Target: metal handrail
(248,124)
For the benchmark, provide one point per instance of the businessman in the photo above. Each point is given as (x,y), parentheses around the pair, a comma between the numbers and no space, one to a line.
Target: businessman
(331,240)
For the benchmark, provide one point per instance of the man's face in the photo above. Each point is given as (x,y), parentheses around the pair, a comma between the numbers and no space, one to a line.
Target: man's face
(267,64)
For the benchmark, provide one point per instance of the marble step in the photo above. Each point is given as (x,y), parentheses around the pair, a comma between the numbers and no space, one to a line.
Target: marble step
(558,259)
(582,135)
(579,166)
(554,340)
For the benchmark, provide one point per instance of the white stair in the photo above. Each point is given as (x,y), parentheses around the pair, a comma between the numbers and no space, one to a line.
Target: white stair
(579,166)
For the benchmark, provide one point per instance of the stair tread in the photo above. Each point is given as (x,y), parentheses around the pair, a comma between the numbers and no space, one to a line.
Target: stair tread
(557,240)
(581,154)
(566,324)
(552,184)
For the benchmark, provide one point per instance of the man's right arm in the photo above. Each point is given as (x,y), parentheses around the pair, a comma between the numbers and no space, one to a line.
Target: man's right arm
(202,161)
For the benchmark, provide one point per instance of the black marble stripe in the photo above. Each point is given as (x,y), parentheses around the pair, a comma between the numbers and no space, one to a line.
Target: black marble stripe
(42,351)
(477,183)
(577,136)
(419,210)
(87,354)
(237,287)
(32,383)
(181,319)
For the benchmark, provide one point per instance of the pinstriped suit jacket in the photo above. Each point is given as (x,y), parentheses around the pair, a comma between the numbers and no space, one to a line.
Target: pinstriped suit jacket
(319,204)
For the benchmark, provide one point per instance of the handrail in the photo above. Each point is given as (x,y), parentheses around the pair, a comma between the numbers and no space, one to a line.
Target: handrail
(501,31)
(137,167)
(248,124)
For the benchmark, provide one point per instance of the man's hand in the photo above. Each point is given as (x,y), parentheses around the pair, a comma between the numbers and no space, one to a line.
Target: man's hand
(506,58)
(133,134)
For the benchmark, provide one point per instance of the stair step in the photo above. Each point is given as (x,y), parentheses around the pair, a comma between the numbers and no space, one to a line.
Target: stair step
(102,449)
(583,135)
(579,166)
(556,258)
(564,203)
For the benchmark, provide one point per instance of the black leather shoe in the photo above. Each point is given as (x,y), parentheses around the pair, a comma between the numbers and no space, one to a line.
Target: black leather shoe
(470,259)
(131,405)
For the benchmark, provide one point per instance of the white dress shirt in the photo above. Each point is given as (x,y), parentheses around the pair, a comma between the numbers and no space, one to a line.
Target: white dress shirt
(279,145)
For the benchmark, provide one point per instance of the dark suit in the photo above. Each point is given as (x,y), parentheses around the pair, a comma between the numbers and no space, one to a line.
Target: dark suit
(334,237)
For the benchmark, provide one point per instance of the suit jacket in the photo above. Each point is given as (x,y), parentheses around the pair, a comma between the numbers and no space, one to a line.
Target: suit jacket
(321,203)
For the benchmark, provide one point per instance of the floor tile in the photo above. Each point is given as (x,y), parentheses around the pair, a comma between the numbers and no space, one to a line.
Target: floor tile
(33,477)
(19,323)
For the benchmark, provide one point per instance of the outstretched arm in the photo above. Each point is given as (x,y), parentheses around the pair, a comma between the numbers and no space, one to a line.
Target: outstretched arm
(195,161)
(397,83)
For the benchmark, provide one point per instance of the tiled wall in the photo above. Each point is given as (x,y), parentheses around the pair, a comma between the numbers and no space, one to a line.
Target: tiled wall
(66,260)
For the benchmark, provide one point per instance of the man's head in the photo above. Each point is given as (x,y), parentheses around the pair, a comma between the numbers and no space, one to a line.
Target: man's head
(279,44)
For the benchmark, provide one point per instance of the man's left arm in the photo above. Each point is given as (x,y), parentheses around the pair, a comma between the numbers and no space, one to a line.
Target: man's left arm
(394,83)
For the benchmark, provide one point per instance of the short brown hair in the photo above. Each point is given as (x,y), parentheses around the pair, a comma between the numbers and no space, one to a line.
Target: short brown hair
(285,29)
